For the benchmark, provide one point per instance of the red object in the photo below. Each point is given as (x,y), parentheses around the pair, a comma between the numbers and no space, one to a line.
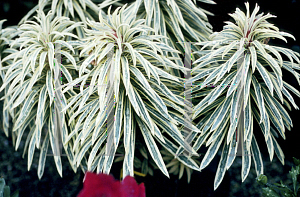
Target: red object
(103,185)
(129,188)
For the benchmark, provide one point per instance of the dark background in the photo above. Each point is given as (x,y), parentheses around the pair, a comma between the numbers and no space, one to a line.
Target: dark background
(14,169)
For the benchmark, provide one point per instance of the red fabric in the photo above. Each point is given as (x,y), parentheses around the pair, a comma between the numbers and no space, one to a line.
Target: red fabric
(103,185)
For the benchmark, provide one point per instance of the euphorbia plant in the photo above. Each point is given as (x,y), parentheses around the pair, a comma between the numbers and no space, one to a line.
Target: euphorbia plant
(6,35)
(135,74)
(130,59)
(261,89)
(146,96)
(29,98)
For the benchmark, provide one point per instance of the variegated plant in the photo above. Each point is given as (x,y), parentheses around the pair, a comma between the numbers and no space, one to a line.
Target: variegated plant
(240,56)
(6,36)
(29,85)
(142,162)
(177,167)
(130,60)
(128,64)
(180,21)
(76,10)
(65,8)
(177,164)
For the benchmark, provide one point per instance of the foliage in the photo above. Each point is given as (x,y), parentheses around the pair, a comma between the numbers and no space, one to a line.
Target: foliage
(276,189)
(257,75)
(5,190)
(140,96)
(180,21)
(127,58)
(177,167)
(76,10)
(6,35)
(151,96)
(141,161)
(29,98)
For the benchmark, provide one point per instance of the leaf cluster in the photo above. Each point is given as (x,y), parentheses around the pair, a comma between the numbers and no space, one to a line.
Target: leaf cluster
(276,189)
(5,190)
